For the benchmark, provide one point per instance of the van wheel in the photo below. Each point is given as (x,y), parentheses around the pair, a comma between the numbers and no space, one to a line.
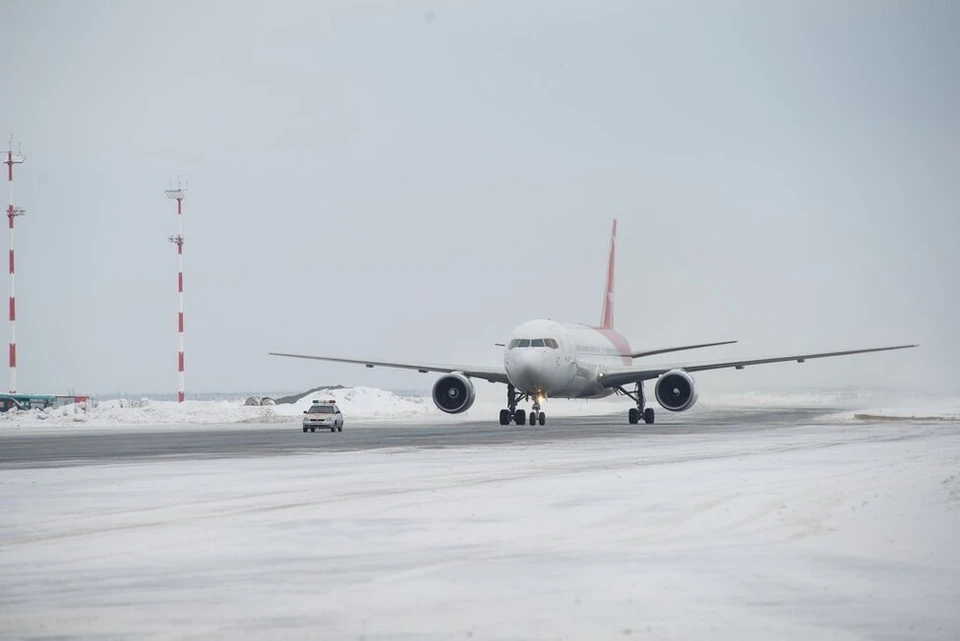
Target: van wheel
(304,430)
(313,429)
(340,429)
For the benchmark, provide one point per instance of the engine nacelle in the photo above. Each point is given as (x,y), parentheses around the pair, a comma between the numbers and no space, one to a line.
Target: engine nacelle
(453,393)
(675,391)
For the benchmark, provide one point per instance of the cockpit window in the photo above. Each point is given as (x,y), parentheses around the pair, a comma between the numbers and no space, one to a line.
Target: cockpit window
(534,342)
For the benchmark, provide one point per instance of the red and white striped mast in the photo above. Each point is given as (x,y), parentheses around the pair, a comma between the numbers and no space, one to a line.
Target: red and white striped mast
(178,195)
(13,158)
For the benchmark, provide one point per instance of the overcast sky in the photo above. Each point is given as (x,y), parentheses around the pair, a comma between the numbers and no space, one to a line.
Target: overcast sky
(411,181)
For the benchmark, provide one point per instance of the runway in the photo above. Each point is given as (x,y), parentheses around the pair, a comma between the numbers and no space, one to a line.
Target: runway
(142,443)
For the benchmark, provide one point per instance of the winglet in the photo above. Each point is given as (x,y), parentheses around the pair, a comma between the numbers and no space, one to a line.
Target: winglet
(606,318)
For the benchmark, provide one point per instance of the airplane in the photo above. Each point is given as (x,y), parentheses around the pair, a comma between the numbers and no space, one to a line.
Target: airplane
(546,359)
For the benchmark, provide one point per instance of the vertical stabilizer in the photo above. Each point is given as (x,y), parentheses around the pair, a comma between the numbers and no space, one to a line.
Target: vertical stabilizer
(606,319)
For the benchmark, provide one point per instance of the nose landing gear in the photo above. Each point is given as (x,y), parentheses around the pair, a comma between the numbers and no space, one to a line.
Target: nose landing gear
(638,413)
(519,417)
(536,416)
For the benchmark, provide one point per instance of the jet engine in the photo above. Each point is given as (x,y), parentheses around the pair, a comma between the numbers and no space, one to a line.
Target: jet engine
(675,391)
(454,393)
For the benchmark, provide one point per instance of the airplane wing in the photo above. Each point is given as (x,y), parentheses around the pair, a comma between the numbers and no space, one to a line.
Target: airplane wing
(615,377)
(492,374)
(665,350)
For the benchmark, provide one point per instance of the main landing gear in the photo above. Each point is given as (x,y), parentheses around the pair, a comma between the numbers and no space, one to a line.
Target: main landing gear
(638,413)
(519,417)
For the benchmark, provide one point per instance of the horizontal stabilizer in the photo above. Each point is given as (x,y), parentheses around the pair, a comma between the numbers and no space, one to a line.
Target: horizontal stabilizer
(666,350)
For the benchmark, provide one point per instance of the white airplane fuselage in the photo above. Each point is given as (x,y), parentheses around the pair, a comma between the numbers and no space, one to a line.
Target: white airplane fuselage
(555,360)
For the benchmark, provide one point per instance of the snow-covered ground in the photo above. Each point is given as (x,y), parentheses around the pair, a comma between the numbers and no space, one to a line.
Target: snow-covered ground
(894,403)
(811,532)
(368,404)
(357,403)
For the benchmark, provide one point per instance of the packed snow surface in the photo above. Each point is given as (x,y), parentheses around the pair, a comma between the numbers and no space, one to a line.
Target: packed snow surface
(808,532)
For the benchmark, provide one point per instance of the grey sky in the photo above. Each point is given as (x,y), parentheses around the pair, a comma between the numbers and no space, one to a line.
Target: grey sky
(413,181)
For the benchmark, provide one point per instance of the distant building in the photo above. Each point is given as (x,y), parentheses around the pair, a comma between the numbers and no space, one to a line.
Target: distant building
(41,401)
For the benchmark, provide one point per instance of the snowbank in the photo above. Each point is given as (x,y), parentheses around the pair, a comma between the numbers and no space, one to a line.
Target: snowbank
(855,403)
(371,404)
(357,403)
(362,403)
(806,398)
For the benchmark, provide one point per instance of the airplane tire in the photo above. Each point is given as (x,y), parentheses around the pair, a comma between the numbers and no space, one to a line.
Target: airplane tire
(633,416)
(648,416)
(520,417)
(533,419)
(504,417)
(542,418)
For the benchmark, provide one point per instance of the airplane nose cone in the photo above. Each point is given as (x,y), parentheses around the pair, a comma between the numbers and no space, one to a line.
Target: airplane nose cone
(525,370)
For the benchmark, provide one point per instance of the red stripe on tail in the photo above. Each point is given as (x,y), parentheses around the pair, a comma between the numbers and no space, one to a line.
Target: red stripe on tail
(606,321)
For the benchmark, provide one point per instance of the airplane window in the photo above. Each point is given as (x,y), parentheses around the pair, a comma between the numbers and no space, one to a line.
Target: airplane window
(514,343)
(524,342)
(537,342)
(551,343)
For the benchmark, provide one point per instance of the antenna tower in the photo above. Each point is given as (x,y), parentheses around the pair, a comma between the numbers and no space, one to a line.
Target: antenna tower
(13,158)
(178,195)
